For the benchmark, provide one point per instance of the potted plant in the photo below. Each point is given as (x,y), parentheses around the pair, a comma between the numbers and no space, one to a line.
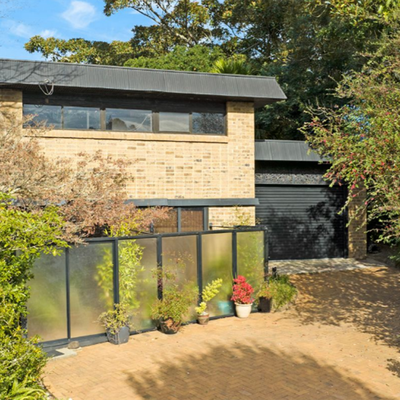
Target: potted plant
(172,307)
(242,296)
(208,293)
(116,322)
(264,298)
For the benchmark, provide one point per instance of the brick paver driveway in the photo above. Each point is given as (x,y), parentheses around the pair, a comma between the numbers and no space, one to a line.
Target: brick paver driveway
(335,343)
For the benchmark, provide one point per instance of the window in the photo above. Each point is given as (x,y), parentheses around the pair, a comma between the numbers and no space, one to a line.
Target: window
(174,122)
(128,120)
(208,123)
(183,219)
(49,115)
(127,114)
(81,118)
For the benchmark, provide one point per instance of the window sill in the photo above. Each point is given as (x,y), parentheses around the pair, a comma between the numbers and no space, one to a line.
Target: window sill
(136,136)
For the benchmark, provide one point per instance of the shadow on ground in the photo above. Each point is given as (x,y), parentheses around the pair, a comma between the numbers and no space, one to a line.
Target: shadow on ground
(244,372)
(369,299)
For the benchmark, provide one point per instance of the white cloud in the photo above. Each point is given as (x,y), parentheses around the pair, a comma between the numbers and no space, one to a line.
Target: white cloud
(48,33)
(18,29)
(80,14)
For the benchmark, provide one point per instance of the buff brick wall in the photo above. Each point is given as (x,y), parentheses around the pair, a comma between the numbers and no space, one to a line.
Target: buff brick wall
(357,235)
(173,166)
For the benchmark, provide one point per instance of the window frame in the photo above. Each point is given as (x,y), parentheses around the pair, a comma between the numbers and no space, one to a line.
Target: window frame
(154,105)
(179,218)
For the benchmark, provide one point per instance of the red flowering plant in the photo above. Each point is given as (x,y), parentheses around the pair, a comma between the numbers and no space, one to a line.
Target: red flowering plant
(242,291)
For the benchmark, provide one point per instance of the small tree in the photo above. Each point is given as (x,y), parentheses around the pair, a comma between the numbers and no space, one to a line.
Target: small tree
(361,139)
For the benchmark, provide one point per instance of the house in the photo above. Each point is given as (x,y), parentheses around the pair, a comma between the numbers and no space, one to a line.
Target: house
(191,137)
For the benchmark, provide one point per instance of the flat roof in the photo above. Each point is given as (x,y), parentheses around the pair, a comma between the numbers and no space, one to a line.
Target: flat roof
(258,89)
(285,150)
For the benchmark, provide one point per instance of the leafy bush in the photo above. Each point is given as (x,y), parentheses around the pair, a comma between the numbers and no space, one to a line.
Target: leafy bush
(116,319)
(23,237)
(242,291)
(209,292)
(175,302)
(281,290)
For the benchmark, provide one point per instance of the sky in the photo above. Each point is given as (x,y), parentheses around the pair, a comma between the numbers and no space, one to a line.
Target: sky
(63,19)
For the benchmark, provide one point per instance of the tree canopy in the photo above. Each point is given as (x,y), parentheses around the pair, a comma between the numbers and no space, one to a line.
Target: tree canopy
(308,45)
(361,138)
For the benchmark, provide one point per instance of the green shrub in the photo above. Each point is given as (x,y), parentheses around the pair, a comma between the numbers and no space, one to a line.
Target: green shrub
(281,290)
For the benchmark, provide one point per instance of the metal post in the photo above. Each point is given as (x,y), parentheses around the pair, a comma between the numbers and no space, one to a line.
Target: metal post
(199,266)
(116,270)
(266,251)
(234,254)
(67,293)
(159,267)
(179,218)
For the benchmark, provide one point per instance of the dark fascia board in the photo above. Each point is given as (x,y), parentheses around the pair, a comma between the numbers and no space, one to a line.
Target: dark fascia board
(285,150)
(193,202)
(257,89)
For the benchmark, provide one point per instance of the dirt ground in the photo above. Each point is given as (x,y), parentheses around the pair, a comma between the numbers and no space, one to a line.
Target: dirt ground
(340,340)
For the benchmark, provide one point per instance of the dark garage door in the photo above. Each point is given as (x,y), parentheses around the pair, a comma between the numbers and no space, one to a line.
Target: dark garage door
(303,221)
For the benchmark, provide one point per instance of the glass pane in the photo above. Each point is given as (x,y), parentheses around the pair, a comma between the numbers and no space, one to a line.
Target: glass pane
(250,257)
(167,225)
(50,115)
(137,280)
(91,286)
(174,122)
(217,263)
(208,123)
(180,257)
(47,306)
(81,118)
(129,120)
(192,219)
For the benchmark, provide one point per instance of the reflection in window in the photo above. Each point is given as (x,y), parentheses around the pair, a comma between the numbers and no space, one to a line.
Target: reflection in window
(174,122)
(128,120)
(81,118)
(49,115)
(208,123)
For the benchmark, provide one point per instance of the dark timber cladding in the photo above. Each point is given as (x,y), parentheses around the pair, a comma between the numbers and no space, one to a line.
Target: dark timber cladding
(257,89)
(299,208)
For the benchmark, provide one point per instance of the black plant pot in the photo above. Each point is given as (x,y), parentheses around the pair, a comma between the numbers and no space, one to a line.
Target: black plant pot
(169,327)
(264,305)
(122,336)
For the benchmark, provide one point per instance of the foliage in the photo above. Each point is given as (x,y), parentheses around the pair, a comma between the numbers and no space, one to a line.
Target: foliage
(208,293)
(242,291)
(19,391)
(362,138)
(88,189)
(281,290)
(114,320)
(237,66)
(264,291)
(24,236)
(177,294)
(81,50)
(196,58)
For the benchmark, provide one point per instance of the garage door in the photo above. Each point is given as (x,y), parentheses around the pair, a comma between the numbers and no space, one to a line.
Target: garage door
(303,221)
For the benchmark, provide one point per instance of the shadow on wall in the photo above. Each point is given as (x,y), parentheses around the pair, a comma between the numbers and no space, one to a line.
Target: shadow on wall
(219,372)
(368,299)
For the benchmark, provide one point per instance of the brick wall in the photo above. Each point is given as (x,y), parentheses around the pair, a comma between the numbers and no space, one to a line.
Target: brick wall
(173,166)
(357,234)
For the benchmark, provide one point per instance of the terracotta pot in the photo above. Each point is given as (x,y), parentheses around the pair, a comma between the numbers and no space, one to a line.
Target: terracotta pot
(203,319)
(168,326)
(243,310)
